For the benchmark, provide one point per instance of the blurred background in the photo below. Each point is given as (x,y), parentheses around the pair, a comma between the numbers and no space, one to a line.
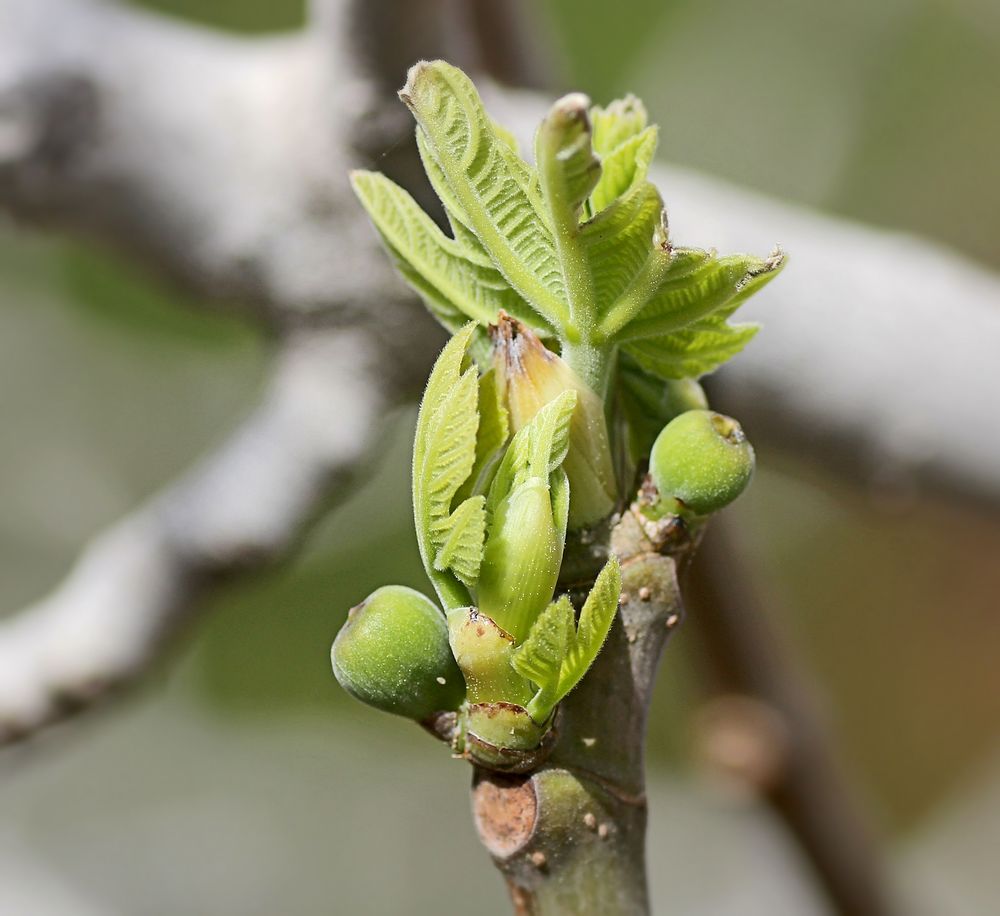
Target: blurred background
(240,779)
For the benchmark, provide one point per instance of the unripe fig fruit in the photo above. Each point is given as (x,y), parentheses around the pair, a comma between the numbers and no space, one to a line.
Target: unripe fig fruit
(392,653)
(703,460)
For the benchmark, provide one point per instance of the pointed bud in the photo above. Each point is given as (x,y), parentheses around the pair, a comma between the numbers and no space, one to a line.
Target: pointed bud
(531,376)
(393,654)
(523,554)
(703,460)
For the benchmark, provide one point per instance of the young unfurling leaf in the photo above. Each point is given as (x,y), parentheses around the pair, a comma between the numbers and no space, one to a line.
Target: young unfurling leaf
(626,147)
(526,512)
(595,622)
(556,655)
(444,452)
(455,282)
(537,450)
(459,540)
(494,431)
(492,187)
(540,657)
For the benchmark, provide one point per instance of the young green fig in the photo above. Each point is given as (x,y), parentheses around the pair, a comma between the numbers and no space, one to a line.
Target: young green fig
(392,653)
(702,460)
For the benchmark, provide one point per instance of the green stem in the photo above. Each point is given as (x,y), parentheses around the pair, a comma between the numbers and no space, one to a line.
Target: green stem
(570,837)
(592,363)
(581,847)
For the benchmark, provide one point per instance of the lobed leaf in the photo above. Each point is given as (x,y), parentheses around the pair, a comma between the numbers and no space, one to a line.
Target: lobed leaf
(555,656)
(537,450)
(455,282)
(619,242)
(443,456)
(567,167)
(490,189)
(459,540)
(618,123)
(623,168)
(595,622)
(540,657)
(718,286)
(494,430)
(692,352)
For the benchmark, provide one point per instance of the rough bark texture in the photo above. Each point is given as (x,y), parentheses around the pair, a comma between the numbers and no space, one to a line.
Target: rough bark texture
(570,838)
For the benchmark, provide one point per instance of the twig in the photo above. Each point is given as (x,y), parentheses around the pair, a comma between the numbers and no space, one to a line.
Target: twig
(251,206)
(570,838)
(801,780)
(243,507)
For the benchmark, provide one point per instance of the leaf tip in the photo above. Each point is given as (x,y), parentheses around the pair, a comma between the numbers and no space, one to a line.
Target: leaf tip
(413,76)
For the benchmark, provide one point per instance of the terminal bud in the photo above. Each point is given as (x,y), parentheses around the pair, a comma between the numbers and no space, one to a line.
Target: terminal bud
(532,376)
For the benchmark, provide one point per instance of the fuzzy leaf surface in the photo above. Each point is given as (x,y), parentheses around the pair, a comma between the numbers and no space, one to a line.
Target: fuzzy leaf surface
(540,657)
(617,123)
(455,281)
(491,190)
(595,621)
(537,450)
(459,540)
(717,288)
(494,431)
(693,352)
(623,168)
(443,455)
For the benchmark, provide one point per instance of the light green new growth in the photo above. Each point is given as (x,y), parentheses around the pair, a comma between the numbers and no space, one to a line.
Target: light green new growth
(527,511)
(555,656)
(502,551)
(569,256)
(444,452)
(576,247)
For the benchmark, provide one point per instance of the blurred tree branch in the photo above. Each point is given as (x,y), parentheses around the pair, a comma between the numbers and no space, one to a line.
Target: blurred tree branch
(767,728)
(222,163)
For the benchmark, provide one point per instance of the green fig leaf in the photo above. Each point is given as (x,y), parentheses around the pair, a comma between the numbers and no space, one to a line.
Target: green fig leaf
(459,540)
(623,168)
(491,190)
(494,431)
(619,242)
(595,621)
(618,123)
(540,657)
(444,452)
(693,352)
(537,450)
(455,283)
(719,285)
